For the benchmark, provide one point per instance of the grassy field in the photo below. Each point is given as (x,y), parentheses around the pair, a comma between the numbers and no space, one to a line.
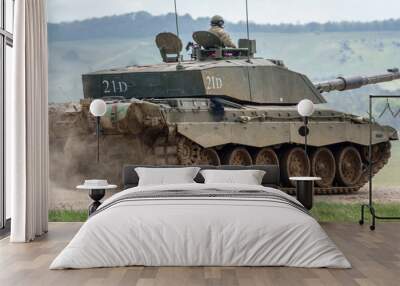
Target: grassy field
(67,215)
(337,212)
(323,212)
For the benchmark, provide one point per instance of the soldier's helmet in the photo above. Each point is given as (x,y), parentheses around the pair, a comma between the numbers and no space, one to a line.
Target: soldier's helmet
(217,21)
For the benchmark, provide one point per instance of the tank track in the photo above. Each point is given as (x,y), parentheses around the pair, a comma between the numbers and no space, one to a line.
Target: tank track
(168,151)
(377,166)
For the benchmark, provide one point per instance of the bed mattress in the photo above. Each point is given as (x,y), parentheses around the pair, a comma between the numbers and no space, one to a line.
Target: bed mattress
(201,225)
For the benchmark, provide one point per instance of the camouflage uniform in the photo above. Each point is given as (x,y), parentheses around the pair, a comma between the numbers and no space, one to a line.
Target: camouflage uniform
(224,36)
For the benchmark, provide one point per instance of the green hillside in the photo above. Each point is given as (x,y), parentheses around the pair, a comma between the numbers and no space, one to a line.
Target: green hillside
(68,60)
(326,54)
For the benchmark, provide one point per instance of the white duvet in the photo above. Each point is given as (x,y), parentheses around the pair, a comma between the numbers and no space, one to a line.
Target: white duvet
(200,231)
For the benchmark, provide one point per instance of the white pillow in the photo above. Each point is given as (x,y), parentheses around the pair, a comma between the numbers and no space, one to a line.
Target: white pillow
(247,177)
(166,176)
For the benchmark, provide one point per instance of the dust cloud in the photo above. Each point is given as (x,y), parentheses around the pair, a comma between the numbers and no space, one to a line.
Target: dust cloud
(73,155)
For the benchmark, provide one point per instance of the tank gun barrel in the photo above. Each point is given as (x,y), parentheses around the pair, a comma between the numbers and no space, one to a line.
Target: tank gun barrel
(346,83)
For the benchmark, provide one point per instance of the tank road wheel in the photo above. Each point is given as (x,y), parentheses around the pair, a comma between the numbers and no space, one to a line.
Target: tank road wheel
(266,156)
(188,152)
(348,166)
(295,163)
(323,166)
(378,151)
(209,157)
(238,156)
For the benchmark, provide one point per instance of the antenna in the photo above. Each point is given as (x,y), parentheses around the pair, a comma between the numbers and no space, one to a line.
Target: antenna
(179,66)
(248,32)
(248,49)
(176,19)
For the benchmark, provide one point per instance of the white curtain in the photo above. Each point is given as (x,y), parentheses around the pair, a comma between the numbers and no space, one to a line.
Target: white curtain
(27,158)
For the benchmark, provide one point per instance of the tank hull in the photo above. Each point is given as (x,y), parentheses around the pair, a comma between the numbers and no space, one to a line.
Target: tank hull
(260,81)
(186,132)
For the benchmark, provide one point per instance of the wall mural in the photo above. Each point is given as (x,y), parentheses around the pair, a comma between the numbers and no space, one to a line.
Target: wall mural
(212,105)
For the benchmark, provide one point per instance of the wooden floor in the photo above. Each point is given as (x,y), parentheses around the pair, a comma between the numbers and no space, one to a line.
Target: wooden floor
(375,257)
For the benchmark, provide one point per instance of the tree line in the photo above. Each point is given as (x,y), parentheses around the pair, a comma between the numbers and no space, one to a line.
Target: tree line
(143,24)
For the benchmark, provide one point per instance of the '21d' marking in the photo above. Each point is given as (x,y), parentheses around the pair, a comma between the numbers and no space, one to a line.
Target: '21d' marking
(114,86)
(214,82)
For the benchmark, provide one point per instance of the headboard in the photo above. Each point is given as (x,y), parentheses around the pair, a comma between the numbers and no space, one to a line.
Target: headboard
(271,178)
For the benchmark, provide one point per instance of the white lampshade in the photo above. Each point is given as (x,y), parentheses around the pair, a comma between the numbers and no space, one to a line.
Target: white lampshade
(305,107)
(98,107)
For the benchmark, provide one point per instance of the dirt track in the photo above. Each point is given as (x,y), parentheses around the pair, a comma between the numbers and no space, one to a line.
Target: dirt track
(380,195)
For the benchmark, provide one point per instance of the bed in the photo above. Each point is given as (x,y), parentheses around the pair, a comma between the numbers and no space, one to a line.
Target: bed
(201,224)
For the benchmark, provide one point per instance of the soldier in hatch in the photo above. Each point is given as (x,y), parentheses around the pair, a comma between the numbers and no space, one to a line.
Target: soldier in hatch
(217,27)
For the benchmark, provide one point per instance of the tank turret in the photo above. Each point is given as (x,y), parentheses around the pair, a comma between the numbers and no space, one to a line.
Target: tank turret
(232,73)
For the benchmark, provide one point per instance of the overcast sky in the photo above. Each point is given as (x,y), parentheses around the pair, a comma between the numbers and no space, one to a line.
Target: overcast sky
(261,11)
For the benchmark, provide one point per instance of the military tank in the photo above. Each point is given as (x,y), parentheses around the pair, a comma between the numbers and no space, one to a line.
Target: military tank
(226,106)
